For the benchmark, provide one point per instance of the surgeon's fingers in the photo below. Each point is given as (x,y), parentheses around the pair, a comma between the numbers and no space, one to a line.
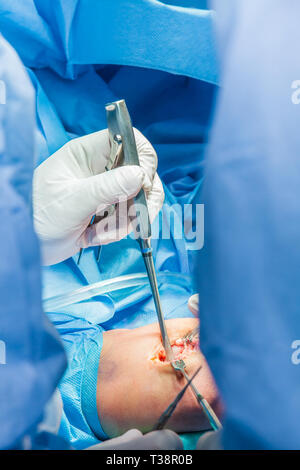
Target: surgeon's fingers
(117,222)
(90,153)
(211,440)
(193,304)
(101,191)
(155,198)
(134,440)
(161,440)
(147,154)
(122,221)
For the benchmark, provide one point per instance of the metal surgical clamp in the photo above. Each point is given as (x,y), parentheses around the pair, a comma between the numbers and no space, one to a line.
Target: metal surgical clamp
(166,415)
(179,365)
(209,412)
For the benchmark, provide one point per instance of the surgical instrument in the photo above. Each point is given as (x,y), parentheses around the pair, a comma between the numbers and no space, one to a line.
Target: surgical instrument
(166,415)
(214,421)
(119,124)
(124,152)
(191,335)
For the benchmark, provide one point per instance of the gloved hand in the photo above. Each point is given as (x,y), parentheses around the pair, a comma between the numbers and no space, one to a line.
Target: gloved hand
(193,304)
(135,440)
(211,440)
(72,185)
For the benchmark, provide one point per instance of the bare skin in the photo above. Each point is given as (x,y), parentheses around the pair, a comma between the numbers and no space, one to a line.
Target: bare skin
(135,383)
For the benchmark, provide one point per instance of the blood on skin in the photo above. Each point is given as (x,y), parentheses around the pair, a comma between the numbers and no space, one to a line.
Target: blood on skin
(181,348)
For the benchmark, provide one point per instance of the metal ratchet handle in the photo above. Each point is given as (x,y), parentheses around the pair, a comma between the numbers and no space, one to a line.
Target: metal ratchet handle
(119,123)
(121,132)
(116,157)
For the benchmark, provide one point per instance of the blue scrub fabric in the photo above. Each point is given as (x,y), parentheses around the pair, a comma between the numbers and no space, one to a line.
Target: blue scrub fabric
(250,265)
(161,59)
(69,36)
(32,357)
(83,342)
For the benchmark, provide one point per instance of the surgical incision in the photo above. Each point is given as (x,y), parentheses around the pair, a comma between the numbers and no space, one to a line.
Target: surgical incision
(182,347)
(136,383)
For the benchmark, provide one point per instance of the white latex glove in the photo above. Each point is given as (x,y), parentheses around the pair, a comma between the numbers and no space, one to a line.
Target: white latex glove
(72,185)
(135,440)
(193,304)
(211,440)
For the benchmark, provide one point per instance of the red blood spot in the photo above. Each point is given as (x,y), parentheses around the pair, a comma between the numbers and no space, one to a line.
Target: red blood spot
(179,348)
(162,355)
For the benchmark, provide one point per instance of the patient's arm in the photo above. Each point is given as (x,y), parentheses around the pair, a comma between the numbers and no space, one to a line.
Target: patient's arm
(136,383)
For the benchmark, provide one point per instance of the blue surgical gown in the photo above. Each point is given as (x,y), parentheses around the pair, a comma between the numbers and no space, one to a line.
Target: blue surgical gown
(249,269)
(32,360)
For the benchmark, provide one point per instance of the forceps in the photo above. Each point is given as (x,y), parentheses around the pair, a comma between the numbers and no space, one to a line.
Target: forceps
(166,415)
(179,365)
(214,421)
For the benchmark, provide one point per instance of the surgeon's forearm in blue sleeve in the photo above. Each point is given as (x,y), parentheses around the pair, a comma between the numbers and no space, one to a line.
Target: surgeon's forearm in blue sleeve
(249,269)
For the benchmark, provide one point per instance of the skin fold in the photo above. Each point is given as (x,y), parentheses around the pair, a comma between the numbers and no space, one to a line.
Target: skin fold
(133,389)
